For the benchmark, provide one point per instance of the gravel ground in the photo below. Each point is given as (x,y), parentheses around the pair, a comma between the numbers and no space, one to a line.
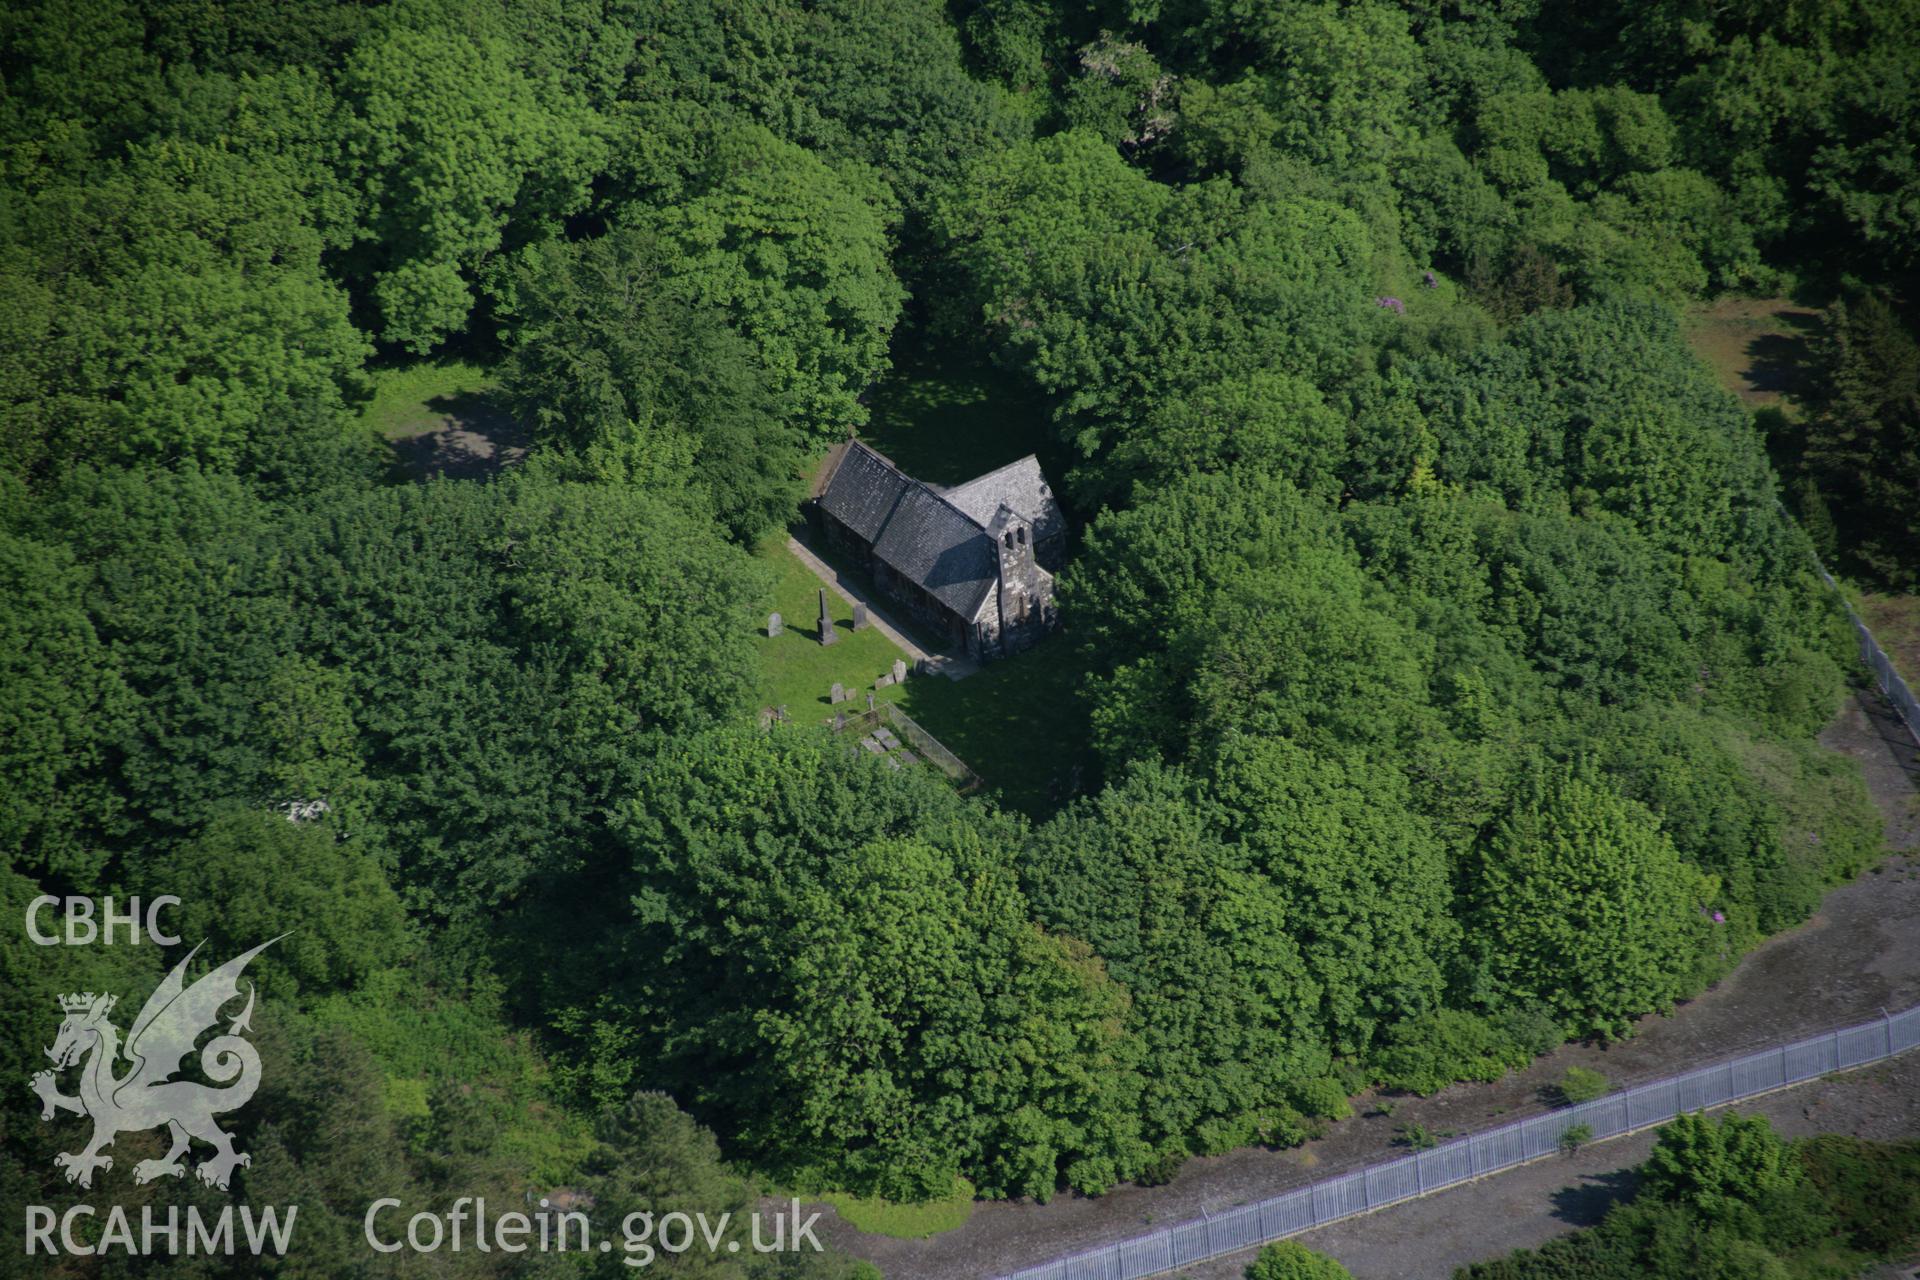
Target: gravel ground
(1860,953)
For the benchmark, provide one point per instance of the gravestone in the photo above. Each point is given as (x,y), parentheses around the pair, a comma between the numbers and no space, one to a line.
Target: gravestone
(883,682)
(839,721)
(869,699)
(780,713)
(859,615)
(775,625)
(837,694)
(827,635)
(899,670)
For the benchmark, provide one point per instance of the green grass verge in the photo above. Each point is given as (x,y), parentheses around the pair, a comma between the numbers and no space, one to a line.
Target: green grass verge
(795,668)
(879,1217)
(1829,828)
(1895,623)
(1756,347)
(411,398)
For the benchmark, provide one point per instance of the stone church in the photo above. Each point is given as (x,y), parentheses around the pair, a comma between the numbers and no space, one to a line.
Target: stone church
(973,563)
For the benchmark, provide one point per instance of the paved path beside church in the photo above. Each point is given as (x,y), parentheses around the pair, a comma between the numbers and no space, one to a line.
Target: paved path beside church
(954,666)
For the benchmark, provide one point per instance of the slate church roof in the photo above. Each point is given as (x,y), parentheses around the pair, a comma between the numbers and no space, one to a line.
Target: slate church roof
(929,541)
(1020,487)
(863,491)
(935,538)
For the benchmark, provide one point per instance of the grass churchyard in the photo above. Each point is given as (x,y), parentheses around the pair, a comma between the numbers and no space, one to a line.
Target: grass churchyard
(796,670)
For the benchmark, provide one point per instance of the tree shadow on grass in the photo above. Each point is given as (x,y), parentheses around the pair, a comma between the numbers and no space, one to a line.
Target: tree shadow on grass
(1587,1201)
(470,437)
(945,414)
(1778,362)
(1890,729)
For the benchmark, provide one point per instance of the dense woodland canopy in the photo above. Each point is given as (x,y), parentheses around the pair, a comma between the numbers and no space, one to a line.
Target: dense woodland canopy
(1453,671)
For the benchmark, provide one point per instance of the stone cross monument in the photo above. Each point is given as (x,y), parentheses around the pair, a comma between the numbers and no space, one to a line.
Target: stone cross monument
(826,620)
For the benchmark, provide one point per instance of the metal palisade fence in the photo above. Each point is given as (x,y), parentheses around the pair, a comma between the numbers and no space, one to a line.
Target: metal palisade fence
(1464,1159)
(1882,666)
(1871,653)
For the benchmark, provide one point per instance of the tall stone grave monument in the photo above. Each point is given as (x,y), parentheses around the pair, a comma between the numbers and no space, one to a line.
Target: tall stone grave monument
(827,635)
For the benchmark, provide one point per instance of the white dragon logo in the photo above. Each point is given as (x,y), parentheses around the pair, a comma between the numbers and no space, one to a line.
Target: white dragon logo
(144,1098)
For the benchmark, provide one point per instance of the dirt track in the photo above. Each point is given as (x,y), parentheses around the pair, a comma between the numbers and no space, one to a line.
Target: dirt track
(1858,954)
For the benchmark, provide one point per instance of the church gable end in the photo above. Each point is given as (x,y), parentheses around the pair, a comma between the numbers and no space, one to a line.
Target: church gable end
(966,561)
